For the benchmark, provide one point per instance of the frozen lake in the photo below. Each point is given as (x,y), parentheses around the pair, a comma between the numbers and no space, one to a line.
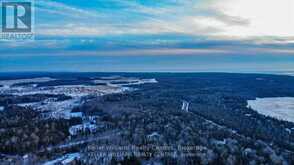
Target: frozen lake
(277,107)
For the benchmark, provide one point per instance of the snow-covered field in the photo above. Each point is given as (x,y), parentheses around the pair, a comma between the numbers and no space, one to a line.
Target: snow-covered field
(277,107)
(125,81)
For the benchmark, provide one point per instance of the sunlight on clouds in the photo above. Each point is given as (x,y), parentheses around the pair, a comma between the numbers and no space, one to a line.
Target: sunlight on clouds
(266,17)
(216,18)
(258,22)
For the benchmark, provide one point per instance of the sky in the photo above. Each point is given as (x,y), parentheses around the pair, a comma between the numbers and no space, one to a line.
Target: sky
(156,35)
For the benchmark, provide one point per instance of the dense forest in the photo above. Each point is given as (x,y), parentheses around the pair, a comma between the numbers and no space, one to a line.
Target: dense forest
(219,128)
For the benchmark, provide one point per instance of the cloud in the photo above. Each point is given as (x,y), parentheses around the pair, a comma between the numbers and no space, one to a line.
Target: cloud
(168,44)
(176,24)
(231,20)
(63,9)
(226,18)
(266,17)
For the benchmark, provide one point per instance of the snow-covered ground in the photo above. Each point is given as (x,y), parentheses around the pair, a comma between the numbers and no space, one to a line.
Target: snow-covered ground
(69,90)
(66,159)
(125,81)
(62,109)
(153,135)
(74,130)
(277,107)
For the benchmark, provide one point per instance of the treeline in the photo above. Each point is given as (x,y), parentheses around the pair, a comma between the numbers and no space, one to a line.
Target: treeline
(23,131)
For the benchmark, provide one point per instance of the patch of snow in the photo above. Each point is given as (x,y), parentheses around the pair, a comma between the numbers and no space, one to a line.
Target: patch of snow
(110,77)
(153,80)
(127,81)
(288,130)
(69,90)
(219,142)
(28,104)
(76,114)
(74,130)
(61,109)
(66,159)
(5,87)
(91,119)
(139,82)
(25,156)
(278,107)
(70,158)
(248,115)
(154,134)
(185,106)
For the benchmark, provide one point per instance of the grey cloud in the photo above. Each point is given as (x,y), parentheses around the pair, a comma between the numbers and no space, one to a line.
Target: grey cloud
(231,20)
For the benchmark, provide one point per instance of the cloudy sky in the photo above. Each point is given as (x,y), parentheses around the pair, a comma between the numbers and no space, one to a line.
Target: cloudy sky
(156,35)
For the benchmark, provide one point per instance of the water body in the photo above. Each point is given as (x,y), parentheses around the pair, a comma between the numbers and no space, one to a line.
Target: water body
(277,107)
